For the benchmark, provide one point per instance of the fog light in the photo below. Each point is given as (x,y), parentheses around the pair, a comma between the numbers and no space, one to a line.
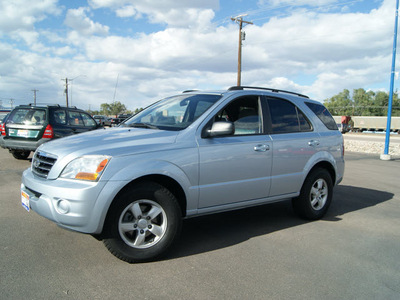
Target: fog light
(63,206)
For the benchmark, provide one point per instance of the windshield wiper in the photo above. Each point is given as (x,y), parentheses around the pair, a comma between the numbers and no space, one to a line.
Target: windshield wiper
(142,125)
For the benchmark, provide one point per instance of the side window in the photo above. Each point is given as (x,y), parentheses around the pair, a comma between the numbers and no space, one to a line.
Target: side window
(245,114)
(60,117)
(74,118)
(305,125)
(286,117)
(87,120)
(323,114)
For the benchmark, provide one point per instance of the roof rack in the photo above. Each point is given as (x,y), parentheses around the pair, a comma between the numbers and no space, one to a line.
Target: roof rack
(239,88)
(189,91)
(50,104)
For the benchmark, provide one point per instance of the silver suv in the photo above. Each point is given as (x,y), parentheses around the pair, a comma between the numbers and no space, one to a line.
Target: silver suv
(188,155)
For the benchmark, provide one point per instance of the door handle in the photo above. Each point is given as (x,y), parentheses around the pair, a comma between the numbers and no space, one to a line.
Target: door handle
(261,148)
(313,143)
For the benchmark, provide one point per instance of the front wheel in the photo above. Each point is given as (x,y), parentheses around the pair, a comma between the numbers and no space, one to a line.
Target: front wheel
(144,222)
(315,195)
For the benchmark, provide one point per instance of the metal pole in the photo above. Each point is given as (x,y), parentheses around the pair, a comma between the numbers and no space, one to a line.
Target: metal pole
(385,155)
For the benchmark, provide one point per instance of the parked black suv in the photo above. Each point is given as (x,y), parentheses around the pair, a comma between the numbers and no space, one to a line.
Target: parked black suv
(29,126)
(118,120)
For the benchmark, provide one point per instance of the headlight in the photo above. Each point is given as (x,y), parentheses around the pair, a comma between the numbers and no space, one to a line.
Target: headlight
(86,167)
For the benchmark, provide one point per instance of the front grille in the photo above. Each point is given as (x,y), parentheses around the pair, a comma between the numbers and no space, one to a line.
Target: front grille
(42,163)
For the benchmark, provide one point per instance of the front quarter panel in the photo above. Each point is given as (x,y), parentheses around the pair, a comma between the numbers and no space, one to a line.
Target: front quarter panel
(127,169)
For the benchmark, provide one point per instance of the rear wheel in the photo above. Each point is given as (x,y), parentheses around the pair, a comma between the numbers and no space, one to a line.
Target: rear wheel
(315,196)
(143,223)
(20,154)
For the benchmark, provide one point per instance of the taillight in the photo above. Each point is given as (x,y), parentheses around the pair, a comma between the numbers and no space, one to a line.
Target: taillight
(3,129)
(48,132)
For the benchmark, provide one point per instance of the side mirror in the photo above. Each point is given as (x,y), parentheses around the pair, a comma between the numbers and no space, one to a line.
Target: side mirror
(221,128)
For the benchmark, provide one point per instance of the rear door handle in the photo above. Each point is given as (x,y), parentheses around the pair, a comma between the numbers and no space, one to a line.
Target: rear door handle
(261,148)
(313,143)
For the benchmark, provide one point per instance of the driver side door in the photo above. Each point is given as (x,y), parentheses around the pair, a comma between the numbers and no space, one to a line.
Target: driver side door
(236,167)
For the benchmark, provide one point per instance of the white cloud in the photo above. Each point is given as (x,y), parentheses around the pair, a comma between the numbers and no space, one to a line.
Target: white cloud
(23,14)
(126,12)
(80,22)
(171,12)
(296,2)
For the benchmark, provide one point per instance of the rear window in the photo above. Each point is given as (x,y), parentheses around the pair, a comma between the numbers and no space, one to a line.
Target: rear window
(27,116)
(323,114)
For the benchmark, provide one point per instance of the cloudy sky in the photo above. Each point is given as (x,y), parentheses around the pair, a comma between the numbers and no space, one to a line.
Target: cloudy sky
(137,51)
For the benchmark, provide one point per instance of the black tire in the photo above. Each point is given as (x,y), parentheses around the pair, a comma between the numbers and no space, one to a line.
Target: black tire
(315,195)
(143,223)
(20,154)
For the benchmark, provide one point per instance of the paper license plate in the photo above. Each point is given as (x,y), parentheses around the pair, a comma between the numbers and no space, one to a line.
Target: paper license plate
(23,133)
(25,200)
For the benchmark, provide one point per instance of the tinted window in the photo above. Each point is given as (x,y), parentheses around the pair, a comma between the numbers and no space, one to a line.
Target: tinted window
(245,115)
(60,117)
(323,114)
(87,120)
(286,117)
(74,118)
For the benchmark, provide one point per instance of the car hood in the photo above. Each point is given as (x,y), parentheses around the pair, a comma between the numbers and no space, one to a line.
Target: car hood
(111,141)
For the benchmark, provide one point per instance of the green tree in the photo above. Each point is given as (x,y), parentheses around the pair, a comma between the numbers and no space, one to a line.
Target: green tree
(396,105)
(105,109)
(115,108)
(340,104)
(363,102)
(381,102)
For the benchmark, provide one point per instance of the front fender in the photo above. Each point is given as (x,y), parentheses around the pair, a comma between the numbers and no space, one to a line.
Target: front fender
(142,168)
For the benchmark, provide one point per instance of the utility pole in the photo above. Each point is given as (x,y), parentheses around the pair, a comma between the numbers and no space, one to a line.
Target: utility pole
(240,21)
(11,102)
(66,90)
(386,155)
(34,95)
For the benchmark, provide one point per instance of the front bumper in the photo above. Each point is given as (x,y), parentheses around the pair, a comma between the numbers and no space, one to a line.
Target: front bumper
(76,205)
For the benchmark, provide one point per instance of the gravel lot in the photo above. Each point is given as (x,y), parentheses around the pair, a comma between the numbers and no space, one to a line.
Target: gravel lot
(371,143)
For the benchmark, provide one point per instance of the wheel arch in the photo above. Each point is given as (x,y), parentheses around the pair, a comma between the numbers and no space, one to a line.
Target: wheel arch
(322,160)
(327,166)
(169,183)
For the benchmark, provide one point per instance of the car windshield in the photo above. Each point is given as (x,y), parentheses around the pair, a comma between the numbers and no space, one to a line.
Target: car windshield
(27,116)
(174,113)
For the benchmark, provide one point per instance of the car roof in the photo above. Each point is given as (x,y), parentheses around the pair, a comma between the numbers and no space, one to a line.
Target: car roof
(262,90)
(44,106)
